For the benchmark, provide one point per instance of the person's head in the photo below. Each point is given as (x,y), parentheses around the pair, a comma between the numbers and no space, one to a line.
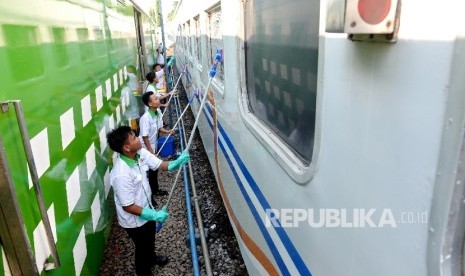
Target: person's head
(150,77)
(150,100)
(123,140)
(157,67)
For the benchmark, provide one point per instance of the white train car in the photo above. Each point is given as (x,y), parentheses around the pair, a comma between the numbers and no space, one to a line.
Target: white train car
(335,130)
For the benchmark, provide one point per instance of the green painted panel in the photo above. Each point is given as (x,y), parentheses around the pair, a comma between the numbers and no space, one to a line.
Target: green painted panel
(52,63)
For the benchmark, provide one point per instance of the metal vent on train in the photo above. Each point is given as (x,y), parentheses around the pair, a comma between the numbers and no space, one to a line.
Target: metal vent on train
(372,20)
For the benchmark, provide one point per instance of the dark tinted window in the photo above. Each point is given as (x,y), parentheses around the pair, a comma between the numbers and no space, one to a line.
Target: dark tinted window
(282,63)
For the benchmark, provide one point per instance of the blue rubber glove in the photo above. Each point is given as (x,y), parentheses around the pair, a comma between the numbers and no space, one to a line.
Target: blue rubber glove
(150,214)
(182,159)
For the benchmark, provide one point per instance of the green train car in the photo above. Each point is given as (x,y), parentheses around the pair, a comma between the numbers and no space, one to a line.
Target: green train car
(63,65)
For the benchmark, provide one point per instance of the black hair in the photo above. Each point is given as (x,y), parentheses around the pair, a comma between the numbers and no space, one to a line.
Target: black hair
(116,138)
(150,76)
(157,64)
(146,97)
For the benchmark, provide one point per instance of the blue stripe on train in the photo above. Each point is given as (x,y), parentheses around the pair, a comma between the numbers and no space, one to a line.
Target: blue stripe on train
(268,239)
(295,256)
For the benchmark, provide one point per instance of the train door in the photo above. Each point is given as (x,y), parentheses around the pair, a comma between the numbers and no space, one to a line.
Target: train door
(18,208)
(140,45)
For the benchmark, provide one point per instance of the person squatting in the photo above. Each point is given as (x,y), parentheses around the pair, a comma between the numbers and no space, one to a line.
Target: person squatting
(132,194)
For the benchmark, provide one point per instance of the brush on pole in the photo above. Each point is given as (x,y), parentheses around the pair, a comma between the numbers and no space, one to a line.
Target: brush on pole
(218,59)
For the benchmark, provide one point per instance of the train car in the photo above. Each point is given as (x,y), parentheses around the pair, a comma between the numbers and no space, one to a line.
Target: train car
(335,130)
(63,86)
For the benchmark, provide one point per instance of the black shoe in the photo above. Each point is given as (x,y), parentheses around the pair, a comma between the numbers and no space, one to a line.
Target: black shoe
(160,260)
(162,193)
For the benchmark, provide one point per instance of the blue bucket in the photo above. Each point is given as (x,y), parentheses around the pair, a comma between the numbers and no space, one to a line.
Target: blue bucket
(168,150)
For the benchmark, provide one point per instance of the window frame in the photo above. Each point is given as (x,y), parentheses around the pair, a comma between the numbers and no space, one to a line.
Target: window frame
(198,43)
(218,85)
(292,163)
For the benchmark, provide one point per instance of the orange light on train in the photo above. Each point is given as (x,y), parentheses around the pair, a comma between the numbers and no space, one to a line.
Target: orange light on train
(373,11)
(370,16)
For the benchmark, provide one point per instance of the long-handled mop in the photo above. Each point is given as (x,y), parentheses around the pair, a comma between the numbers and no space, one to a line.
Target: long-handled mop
(218,59)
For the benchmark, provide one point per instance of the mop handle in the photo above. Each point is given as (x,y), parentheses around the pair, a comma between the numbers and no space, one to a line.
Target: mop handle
(218,59)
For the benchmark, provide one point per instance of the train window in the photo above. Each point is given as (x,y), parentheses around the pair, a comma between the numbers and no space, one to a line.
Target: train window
(60,51)
(85,47)
(335,11)
(188,39)
(216,41)
(281,65)
(198,45)
(23,52)
(100,45)
(183,37)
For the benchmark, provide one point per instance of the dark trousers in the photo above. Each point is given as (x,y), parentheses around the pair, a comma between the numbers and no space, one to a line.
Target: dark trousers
(144,242)
(153,181)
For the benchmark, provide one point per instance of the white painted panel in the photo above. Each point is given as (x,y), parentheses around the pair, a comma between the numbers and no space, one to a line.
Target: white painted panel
(273,67)
(118,114)
(111,122)
(41,248)
(127,96)
(115,82)
(96,212)
(276,92)
(106,183)
(287,99)
(73,191)
(103,139)
(86,110)
(113,157)
(120,76)
(80,252)
(39,144)
(99,97)
(108,88)
(283,71)
(29,178)
(264,64)
(311,81)
(123,102)
(90,161)
(6,267)
(67,128)
(296,76)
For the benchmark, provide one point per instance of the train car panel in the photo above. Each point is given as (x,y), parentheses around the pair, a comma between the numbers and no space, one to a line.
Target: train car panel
(67,69)
(380,122)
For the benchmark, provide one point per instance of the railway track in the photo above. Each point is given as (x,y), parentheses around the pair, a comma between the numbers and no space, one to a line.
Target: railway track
(225,256)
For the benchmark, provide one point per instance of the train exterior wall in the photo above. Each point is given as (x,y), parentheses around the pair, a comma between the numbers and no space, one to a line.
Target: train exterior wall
(66,62)
(388,138)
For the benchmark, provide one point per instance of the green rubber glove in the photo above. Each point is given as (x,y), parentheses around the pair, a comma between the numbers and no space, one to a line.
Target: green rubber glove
(150,214)
(182,159)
